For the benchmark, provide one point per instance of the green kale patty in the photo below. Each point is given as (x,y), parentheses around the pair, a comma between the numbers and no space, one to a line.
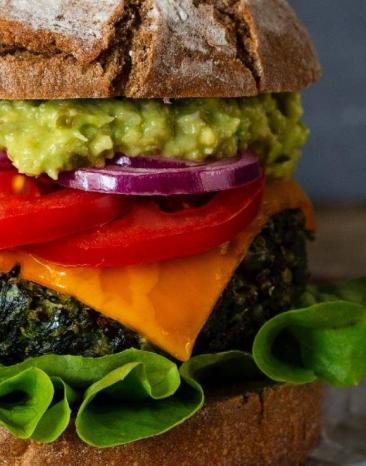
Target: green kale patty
(35,320)
(270,280)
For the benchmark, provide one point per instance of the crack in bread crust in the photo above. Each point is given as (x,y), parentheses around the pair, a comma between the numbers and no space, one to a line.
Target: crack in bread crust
(157,49)
(184,50)
(230,12)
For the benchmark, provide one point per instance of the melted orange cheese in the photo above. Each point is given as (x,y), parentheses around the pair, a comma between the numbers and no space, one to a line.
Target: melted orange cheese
(167,302)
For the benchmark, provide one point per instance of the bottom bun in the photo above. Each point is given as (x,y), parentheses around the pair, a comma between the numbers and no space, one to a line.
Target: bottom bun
(274,426)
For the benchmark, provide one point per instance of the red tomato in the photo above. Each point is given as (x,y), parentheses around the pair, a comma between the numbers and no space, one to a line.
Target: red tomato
(18,185)
(148,234)
(27,216)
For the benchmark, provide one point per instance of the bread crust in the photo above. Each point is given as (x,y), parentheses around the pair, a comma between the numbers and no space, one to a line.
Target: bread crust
(274,28)
(81,29)
(153,49)
(271,427)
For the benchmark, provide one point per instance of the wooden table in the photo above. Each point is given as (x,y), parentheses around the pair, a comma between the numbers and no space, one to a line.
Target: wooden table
(340,248)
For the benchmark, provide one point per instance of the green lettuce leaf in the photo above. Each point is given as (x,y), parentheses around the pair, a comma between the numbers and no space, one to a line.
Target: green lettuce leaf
(24,400)
(58,415)
(207,368)
(116,399)
(132,403)
(81,372)
(325,341)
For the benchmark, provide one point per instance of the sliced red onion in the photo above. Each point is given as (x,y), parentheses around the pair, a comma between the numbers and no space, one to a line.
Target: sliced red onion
(5,163)
(144,176)
(152,162)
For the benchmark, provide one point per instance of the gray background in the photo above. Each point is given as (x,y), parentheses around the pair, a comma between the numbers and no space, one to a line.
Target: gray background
(334,163)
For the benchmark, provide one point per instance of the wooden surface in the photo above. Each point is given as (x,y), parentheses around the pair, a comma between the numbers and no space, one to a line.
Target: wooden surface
(340,247)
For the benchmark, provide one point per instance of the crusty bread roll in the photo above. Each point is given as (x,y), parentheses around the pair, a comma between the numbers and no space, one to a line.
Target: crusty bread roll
(237,427)
(152,48)
(168,49)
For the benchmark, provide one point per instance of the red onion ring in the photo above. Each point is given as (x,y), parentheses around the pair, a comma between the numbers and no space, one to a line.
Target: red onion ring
(144,176)
(152,162)
(5,163)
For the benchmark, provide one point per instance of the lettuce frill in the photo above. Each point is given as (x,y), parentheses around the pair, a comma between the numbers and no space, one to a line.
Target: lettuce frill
(137,394)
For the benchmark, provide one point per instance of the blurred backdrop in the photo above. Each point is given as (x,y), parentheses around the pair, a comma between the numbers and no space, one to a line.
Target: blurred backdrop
(333,169)
(334,163)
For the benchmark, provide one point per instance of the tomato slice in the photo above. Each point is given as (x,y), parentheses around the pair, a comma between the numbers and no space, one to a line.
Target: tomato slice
(27,216)
(146,233)
(13,184)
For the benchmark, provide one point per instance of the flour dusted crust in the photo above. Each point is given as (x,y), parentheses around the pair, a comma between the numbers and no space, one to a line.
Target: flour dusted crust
(284,56)
(82,29)
(272,427)
(54,49)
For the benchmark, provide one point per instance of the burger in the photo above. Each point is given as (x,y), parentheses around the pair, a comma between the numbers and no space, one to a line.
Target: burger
(155,302)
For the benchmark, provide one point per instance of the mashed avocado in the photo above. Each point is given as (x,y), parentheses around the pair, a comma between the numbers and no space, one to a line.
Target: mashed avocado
(55,136)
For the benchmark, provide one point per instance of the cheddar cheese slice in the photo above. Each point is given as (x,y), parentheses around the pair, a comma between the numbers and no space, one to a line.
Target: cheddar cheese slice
(168,302)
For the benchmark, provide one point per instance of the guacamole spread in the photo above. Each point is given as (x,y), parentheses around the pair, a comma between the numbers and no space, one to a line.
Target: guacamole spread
(55,136)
